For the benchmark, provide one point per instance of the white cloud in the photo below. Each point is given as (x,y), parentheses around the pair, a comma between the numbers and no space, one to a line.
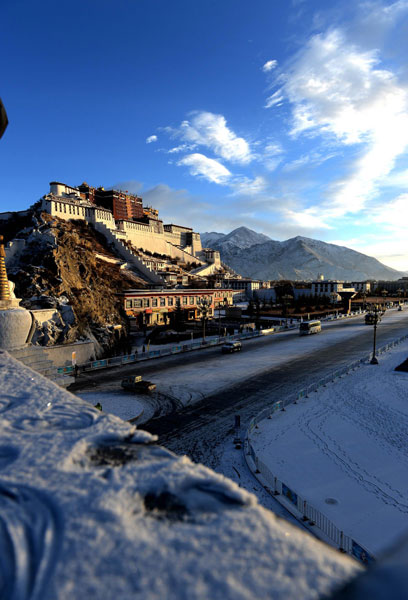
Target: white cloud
(269,66)
(211,131)
(272,155)
(309,219)
(275,99)
(151,138)
(340,92)
(312,158)
(181,148)
(205,167)
(249,187)
(392,215)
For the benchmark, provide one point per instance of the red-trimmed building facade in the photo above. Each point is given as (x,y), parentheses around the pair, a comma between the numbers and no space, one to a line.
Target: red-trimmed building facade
(152,307)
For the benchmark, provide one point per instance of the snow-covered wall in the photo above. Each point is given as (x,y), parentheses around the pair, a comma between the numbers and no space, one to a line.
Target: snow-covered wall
(91,507)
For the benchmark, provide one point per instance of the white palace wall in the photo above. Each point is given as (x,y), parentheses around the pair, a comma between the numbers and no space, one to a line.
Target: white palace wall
(149,237)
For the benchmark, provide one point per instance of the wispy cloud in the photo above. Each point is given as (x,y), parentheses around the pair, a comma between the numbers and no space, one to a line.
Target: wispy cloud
(276,99)
(249,187)
(269,66)
(207,168)
(181,148)
(151,138)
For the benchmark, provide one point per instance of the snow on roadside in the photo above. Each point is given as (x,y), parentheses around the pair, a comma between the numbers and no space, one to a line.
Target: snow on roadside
(345,450)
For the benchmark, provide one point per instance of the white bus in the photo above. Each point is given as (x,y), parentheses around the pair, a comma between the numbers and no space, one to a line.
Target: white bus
(308,327)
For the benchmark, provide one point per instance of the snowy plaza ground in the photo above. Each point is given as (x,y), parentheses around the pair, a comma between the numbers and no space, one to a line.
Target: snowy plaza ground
(345,450)
(191,383)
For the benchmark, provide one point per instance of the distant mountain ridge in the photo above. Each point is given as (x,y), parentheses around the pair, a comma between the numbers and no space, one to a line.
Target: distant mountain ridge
(255,255)
(242,237)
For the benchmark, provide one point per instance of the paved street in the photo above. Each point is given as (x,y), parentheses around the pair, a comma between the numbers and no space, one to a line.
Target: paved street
(268,369)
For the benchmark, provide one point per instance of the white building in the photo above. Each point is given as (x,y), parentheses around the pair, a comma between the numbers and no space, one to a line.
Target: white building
(326,287)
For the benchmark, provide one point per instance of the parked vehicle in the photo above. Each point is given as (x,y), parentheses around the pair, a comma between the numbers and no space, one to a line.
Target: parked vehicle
(135,383)
(229,347)
(309,327)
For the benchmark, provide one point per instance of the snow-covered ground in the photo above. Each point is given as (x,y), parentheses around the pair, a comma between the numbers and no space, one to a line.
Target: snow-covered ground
(345,450)
(122,404)
(187,384)
(90,507)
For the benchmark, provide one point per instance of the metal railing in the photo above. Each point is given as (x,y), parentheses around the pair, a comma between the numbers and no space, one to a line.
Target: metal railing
(141,356)
(299,505)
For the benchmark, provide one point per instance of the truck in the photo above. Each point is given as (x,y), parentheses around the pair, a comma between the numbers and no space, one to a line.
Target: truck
(135,383)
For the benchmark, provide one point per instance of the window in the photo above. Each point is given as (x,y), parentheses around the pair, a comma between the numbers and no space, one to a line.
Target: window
(192,300)
(128,304)
(170,301)
(154,301)
(146,302)
(162,301)
(185,299)
(137,303)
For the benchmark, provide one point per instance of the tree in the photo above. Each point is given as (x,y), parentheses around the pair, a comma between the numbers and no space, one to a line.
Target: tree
(204,305)
(178,316)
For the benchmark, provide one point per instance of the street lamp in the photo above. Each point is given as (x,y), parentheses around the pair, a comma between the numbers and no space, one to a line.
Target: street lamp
(376,313)
(400,291)
(384,293)
(221,306)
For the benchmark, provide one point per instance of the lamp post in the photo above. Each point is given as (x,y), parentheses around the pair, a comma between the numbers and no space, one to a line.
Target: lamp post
(384,293)
(221,306)
(400,291)
(375,311)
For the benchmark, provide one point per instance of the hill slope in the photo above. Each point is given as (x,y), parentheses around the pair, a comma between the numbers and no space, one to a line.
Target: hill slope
(299,258)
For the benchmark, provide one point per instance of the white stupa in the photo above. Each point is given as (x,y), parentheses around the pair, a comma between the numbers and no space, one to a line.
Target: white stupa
(15,321)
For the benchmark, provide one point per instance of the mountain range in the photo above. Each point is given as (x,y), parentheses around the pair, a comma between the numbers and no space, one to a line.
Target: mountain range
(257,256)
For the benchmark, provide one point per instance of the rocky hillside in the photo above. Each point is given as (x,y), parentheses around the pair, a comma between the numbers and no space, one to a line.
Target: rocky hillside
(59,267)
(299,258)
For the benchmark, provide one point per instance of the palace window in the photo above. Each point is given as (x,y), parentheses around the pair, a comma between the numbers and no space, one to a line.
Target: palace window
(154,301)
(192,300)
(185,299)
(162,301)
(146,302)
(170,301)
(137,303)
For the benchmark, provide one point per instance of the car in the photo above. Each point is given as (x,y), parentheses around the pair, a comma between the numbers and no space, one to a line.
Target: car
(135,383)
(229,347)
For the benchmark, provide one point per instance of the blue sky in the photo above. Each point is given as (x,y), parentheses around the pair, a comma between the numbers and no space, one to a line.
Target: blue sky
(288,117)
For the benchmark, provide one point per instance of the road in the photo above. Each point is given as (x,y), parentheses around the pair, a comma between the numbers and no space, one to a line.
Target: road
(201,429)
